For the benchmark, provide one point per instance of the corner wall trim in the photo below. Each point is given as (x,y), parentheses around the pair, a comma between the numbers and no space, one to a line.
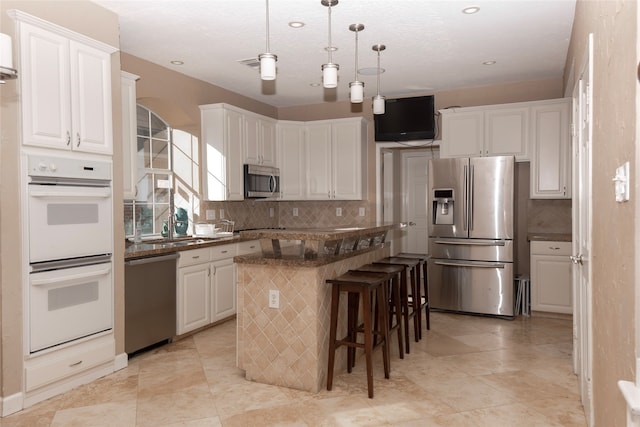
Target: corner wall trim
(121,361)
(11,404)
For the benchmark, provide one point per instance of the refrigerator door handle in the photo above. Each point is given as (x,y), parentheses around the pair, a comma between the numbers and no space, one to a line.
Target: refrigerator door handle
(465,206)
(471,192)
(470,264)
(468,243)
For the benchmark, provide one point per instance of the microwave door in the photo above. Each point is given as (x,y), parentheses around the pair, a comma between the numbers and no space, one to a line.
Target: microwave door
(447,198)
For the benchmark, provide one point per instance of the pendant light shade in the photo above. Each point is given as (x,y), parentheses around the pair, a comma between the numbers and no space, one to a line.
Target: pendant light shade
(356,87)
(378,100)
(330,70)
(267,60)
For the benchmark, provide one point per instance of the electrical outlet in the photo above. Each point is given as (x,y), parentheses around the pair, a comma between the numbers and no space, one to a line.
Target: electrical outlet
(272,212)
(274,298)
(295,211)
(338,211)
(221,213)
(210,214)
(360,211)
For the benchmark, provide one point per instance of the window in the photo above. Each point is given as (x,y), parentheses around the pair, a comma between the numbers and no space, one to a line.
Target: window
(167,165)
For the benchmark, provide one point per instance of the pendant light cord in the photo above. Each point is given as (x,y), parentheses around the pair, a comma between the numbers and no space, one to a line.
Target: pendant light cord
(356,70)
(268,50)
(378,73)
(330,46)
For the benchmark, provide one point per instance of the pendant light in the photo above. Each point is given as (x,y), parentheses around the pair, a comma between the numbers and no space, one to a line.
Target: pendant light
(378,101)
(267,60)
(356,87)
(329,70)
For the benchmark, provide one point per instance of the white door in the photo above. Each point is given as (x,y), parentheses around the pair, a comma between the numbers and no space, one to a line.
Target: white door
(582,137)
(415,185)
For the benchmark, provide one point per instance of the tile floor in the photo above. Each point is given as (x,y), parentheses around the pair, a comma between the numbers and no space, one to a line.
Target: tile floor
(466,371)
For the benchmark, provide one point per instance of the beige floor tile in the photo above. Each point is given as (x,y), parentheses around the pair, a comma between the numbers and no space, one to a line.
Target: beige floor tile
(122,414)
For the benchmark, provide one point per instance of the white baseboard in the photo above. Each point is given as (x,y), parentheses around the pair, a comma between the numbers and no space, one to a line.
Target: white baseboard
(11,404)
(120,362)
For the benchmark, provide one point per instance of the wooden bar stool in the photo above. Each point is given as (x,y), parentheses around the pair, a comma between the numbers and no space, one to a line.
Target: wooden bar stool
(424,298)
(394,277)
(408,288)
(359,285)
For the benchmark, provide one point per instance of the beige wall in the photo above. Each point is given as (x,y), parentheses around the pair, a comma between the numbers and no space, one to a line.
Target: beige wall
(614,26)
(91,20)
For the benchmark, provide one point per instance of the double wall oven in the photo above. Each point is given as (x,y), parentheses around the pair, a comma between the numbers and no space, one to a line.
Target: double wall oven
(70,234)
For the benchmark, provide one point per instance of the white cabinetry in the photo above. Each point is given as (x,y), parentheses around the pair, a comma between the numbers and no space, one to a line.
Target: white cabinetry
(551,277)
(335,151)
(291,160)
(259,140)
(65,90)
(206,286)
(129,140)
(486,131)
(551,156)
(222,140)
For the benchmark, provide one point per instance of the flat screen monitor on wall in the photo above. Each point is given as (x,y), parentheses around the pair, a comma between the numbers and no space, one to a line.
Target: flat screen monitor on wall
(406,119)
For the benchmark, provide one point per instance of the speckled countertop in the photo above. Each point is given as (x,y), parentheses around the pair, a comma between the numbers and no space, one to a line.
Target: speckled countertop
(292,261)
(154,248)
(549,237)
(317,233)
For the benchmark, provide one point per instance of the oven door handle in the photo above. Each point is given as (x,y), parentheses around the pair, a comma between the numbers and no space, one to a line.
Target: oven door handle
(53,280)
(76,192)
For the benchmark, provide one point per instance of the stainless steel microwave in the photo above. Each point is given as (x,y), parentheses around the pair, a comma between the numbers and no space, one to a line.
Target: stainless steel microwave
(261,182)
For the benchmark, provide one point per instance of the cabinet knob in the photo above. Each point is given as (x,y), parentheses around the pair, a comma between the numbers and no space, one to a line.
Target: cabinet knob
(68,138)
(78,136)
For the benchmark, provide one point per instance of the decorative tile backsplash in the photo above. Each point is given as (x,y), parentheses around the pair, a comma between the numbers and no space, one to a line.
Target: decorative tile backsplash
(257,213)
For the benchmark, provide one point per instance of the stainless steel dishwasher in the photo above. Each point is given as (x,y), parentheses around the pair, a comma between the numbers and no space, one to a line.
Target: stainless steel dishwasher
(150,301)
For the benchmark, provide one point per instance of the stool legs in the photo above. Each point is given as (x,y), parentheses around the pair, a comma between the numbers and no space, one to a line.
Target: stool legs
(335,302)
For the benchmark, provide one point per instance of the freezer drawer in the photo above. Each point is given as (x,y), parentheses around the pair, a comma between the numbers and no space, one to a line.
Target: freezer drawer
(471,249)
(471,286)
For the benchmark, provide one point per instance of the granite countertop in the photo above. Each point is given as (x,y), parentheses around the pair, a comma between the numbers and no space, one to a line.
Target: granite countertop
(158,247)
(328,233)
(549,237)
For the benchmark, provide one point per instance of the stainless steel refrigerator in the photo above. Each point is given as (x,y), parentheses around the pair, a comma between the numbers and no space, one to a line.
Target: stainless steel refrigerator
(471,203)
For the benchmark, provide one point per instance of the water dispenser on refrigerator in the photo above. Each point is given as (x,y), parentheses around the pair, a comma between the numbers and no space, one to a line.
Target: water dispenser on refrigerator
(443,206)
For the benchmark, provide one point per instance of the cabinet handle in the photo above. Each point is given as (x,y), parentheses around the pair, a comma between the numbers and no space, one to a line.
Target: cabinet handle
(68,138)
(78,135)
(195,257)
(224,252)
(209,272)
(75,364)
(214,270)
(554,248)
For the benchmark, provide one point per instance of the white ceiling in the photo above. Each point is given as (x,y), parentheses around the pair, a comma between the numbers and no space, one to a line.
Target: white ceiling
(431,45)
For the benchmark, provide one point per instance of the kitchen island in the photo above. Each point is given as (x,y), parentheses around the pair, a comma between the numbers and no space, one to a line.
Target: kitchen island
(284,302)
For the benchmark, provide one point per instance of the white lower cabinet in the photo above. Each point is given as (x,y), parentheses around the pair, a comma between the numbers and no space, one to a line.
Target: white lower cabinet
(551,277)
(206,286)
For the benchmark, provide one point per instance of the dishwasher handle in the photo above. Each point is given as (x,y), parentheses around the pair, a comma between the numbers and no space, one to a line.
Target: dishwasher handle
(152,259)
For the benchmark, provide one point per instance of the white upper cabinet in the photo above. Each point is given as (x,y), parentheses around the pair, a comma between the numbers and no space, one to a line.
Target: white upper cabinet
(335,152)
(129,140)
(551,157)
(223,128)
(66,91)
(259,140)
(486,131)
(291,160)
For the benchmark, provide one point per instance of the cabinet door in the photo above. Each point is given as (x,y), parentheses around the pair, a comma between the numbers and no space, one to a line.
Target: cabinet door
(551,155)
(507,132)
(268,143)
(129,143)
(252,130)
(347,157)
(90,99)
(462,134)
(194,310)
(551,284)
(44,81)
(223,291)
(318,161)
(233,143)
(291,160)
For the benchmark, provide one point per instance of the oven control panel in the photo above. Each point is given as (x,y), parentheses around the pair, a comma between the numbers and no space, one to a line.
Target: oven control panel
(61,167)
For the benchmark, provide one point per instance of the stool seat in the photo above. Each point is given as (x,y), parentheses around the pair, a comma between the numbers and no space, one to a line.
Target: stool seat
(359,285)
(393,296)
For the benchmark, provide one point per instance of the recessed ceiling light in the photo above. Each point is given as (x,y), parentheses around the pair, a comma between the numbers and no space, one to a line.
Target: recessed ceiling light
(177,62)
(470,10)
(296,24)
(331,48)
(370,71)
(314,84)
(488,62)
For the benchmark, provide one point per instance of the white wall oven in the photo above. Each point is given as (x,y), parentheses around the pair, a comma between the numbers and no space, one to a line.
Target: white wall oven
(70,229)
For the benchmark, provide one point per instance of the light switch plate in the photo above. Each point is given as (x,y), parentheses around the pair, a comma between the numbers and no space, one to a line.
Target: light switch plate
(621,183)
(360,211)
(295,211)
(338,211)
(210,214)
(272,212)
(221,213)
